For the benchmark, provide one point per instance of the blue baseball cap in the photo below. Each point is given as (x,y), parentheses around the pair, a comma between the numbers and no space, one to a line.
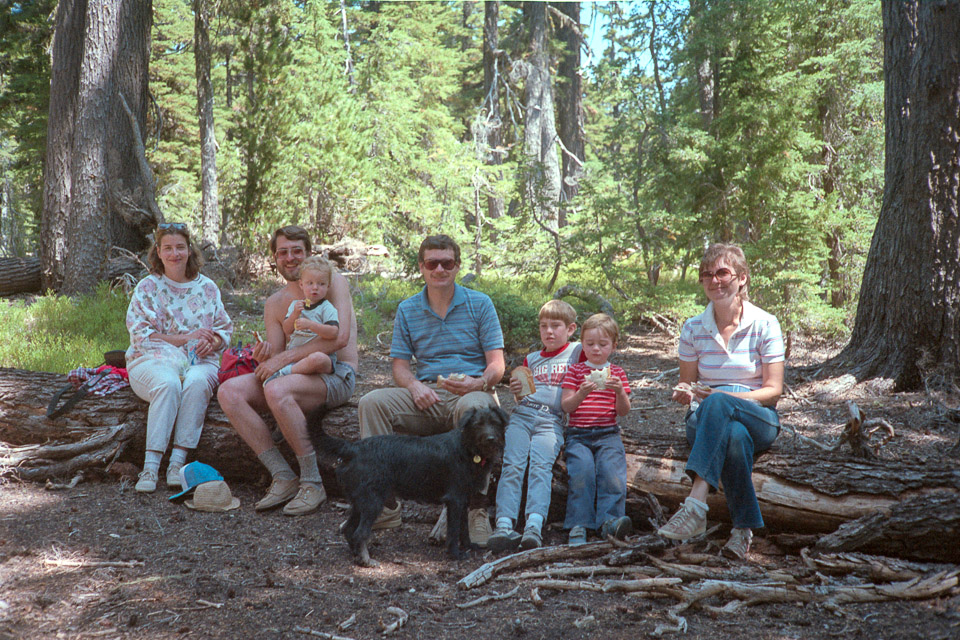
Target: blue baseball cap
(193,475)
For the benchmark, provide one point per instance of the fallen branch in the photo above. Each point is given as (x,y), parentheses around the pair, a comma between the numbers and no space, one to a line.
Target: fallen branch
(86,564)
(320,634)
(645,584)
(531,557)
(493,597)
(401,620)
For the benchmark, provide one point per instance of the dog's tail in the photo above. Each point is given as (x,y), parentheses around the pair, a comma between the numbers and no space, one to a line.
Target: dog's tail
(327,443)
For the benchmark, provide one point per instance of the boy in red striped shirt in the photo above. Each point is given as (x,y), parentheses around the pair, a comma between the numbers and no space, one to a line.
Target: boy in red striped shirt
(595,393)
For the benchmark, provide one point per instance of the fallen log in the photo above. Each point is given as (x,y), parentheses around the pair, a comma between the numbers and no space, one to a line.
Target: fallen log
(88,434)
(922,528)
(803,492)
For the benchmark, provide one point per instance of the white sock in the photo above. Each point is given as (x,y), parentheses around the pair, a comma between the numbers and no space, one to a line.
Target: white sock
(700,508)
(534,521)
(151,461)
(177,457)
(504,523)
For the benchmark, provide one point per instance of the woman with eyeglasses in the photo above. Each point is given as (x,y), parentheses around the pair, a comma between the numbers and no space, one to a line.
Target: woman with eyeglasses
(178,329)
(731,376)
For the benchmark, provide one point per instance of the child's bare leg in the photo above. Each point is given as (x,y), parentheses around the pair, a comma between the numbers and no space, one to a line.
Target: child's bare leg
(318,362)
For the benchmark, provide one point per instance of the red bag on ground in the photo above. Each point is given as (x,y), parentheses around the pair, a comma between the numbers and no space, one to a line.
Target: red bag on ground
(236,361)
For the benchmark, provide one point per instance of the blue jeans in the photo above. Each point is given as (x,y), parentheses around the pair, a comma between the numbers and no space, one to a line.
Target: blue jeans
(597,470)
(725,433)
(532,437)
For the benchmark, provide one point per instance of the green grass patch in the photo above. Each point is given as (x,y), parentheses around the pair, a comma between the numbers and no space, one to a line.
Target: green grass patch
(57,333)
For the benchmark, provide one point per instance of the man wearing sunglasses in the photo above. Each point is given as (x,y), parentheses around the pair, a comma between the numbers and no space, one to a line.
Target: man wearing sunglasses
(452,331)
(290,397)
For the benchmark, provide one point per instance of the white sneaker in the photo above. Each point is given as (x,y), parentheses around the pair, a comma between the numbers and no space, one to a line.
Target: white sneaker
(173,476)
(146,482)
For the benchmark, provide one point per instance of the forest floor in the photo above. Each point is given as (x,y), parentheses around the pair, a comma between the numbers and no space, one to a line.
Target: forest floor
(102,561)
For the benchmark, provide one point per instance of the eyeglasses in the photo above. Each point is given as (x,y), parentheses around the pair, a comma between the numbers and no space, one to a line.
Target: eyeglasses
(722,274)
(296,252)
(176,226)
(448,264)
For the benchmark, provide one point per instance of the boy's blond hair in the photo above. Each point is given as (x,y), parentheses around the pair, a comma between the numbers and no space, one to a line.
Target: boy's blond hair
(317,264)
(604,323)
(558,310)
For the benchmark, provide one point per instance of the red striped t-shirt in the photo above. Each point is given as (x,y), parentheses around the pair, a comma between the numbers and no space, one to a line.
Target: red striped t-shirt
(599,408)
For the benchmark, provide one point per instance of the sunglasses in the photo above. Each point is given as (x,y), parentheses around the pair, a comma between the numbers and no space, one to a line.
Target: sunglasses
(448,264)
(722,274)
(176,226)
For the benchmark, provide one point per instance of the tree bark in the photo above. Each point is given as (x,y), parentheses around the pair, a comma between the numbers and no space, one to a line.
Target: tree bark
(909,307)
(19,275)
(491,90)
(57,178)
(540,135)
(96,195)
(570,108)
(922,528)
(210,214)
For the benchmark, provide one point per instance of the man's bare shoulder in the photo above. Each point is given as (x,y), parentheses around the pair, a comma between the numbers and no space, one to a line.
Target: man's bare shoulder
(278,302)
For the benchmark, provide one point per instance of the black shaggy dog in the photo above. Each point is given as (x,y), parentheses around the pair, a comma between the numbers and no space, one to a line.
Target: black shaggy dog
(446,469)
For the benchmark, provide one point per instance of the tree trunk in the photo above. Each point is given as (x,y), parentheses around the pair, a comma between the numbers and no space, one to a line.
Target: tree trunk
(491,91)
(96,194)
(570,108)
(540,136)
(909,307)
(210,214)
(57,178)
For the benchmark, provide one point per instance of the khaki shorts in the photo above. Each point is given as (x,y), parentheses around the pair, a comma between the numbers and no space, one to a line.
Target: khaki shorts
(340,384)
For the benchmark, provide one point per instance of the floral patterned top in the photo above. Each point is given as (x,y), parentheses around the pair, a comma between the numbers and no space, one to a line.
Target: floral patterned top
(160,305)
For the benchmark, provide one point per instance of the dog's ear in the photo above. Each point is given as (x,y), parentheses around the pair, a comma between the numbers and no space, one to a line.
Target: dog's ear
(468,417)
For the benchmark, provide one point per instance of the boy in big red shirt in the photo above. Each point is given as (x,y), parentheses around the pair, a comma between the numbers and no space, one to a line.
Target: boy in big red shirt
(535,432)
(596,460)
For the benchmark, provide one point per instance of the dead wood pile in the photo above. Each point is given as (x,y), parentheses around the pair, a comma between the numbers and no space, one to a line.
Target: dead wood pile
(696,578)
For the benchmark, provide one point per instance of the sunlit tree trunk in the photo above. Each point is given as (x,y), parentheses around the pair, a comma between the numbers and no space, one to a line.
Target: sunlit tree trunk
(208,141)
(542,179)
(908,318)
(570,99)
(491,91)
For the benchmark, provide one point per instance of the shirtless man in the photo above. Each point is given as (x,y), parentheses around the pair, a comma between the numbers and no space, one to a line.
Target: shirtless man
(289,398)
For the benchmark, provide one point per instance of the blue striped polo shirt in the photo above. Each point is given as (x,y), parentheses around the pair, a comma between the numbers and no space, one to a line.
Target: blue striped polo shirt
(454,344)
(757,340)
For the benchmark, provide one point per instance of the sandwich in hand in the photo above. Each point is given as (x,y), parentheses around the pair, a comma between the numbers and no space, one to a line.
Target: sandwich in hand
(525,376)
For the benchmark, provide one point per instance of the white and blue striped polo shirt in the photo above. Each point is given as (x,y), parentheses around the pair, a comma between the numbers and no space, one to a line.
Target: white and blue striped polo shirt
(756,341)
(454,344)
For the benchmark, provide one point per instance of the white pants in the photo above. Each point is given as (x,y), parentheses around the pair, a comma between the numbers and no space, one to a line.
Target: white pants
(175,407)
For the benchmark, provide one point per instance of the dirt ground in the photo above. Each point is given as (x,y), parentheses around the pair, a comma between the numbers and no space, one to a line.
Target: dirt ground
(102,561)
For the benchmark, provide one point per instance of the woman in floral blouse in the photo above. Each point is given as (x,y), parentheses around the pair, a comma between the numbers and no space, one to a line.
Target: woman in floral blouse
(178,329)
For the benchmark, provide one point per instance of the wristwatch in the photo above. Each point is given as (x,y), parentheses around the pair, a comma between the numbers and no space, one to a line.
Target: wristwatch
(486,385)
